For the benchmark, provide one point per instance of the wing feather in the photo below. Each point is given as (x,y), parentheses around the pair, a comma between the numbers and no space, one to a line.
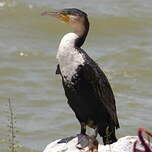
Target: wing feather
(102,89)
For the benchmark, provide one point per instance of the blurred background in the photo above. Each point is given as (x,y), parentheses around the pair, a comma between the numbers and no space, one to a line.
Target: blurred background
(120,41)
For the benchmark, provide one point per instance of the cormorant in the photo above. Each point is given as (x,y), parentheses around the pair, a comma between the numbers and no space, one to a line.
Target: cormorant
(86,87)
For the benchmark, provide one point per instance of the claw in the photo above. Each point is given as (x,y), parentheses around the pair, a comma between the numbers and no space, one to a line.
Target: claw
(83,141)
(89,144)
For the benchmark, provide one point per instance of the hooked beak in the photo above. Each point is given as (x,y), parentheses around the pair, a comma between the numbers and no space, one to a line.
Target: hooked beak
(57,15)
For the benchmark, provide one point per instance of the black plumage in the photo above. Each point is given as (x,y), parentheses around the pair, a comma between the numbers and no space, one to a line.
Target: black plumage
(91,98)
(88,92)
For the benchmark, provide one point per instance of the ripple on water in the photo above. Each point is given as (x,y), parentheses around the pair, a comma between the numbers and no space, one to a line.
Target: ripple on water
(119,40)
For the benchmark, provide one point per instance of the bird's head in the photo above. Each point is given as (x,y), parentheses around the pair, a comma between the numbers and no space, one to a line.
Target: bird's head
(75,17)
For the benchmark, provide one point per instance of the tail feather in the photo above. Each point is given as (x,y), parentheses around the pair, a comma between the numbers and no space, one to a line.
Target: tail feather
(108,135)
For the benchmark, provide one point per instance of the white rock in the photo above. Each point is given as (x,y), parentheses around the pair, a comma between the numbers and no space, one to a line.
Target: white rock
(124,144)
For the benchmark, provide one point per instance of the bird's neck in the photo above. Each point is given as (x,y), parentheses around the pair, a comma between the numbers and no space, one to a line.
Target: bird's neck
(77,38)
(68,41)
(67,45)
(81,30)
(68,56)
(80,40)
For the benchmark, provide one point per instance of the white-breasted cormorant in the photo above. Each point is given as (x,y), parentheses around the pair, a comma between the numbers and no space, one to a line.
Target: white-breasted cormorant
(86,87)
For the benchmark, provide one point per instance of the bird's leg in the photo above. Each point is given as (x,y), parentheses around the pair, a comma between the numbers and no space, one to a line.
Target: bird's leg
(86,142)
(82,139)
(83,128)
(93,142)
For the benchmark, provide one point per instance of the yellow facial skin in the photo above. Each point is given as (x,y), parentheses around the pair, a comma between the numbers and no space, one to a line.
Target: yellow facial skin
(65,18)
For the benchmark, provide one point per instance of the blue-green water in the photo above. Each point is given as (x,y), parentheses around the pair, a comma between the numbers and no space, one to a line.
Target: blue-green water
(120,40)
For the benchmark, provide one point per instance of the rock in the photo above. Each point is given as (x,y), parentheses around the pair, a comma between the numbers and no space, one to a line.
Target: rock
(81,143)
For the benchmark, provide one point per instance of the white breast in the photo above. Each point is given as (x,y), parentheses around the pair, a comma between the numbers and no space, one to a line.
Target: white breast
(69,58)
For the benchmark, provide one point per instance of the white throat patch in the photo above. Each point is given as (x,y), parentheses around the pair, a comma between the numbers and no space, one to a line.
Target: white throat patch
(68,56)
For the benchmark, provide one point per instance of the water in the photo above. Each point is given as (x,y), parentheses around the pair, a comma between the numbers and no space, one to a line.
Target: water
(120,40)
